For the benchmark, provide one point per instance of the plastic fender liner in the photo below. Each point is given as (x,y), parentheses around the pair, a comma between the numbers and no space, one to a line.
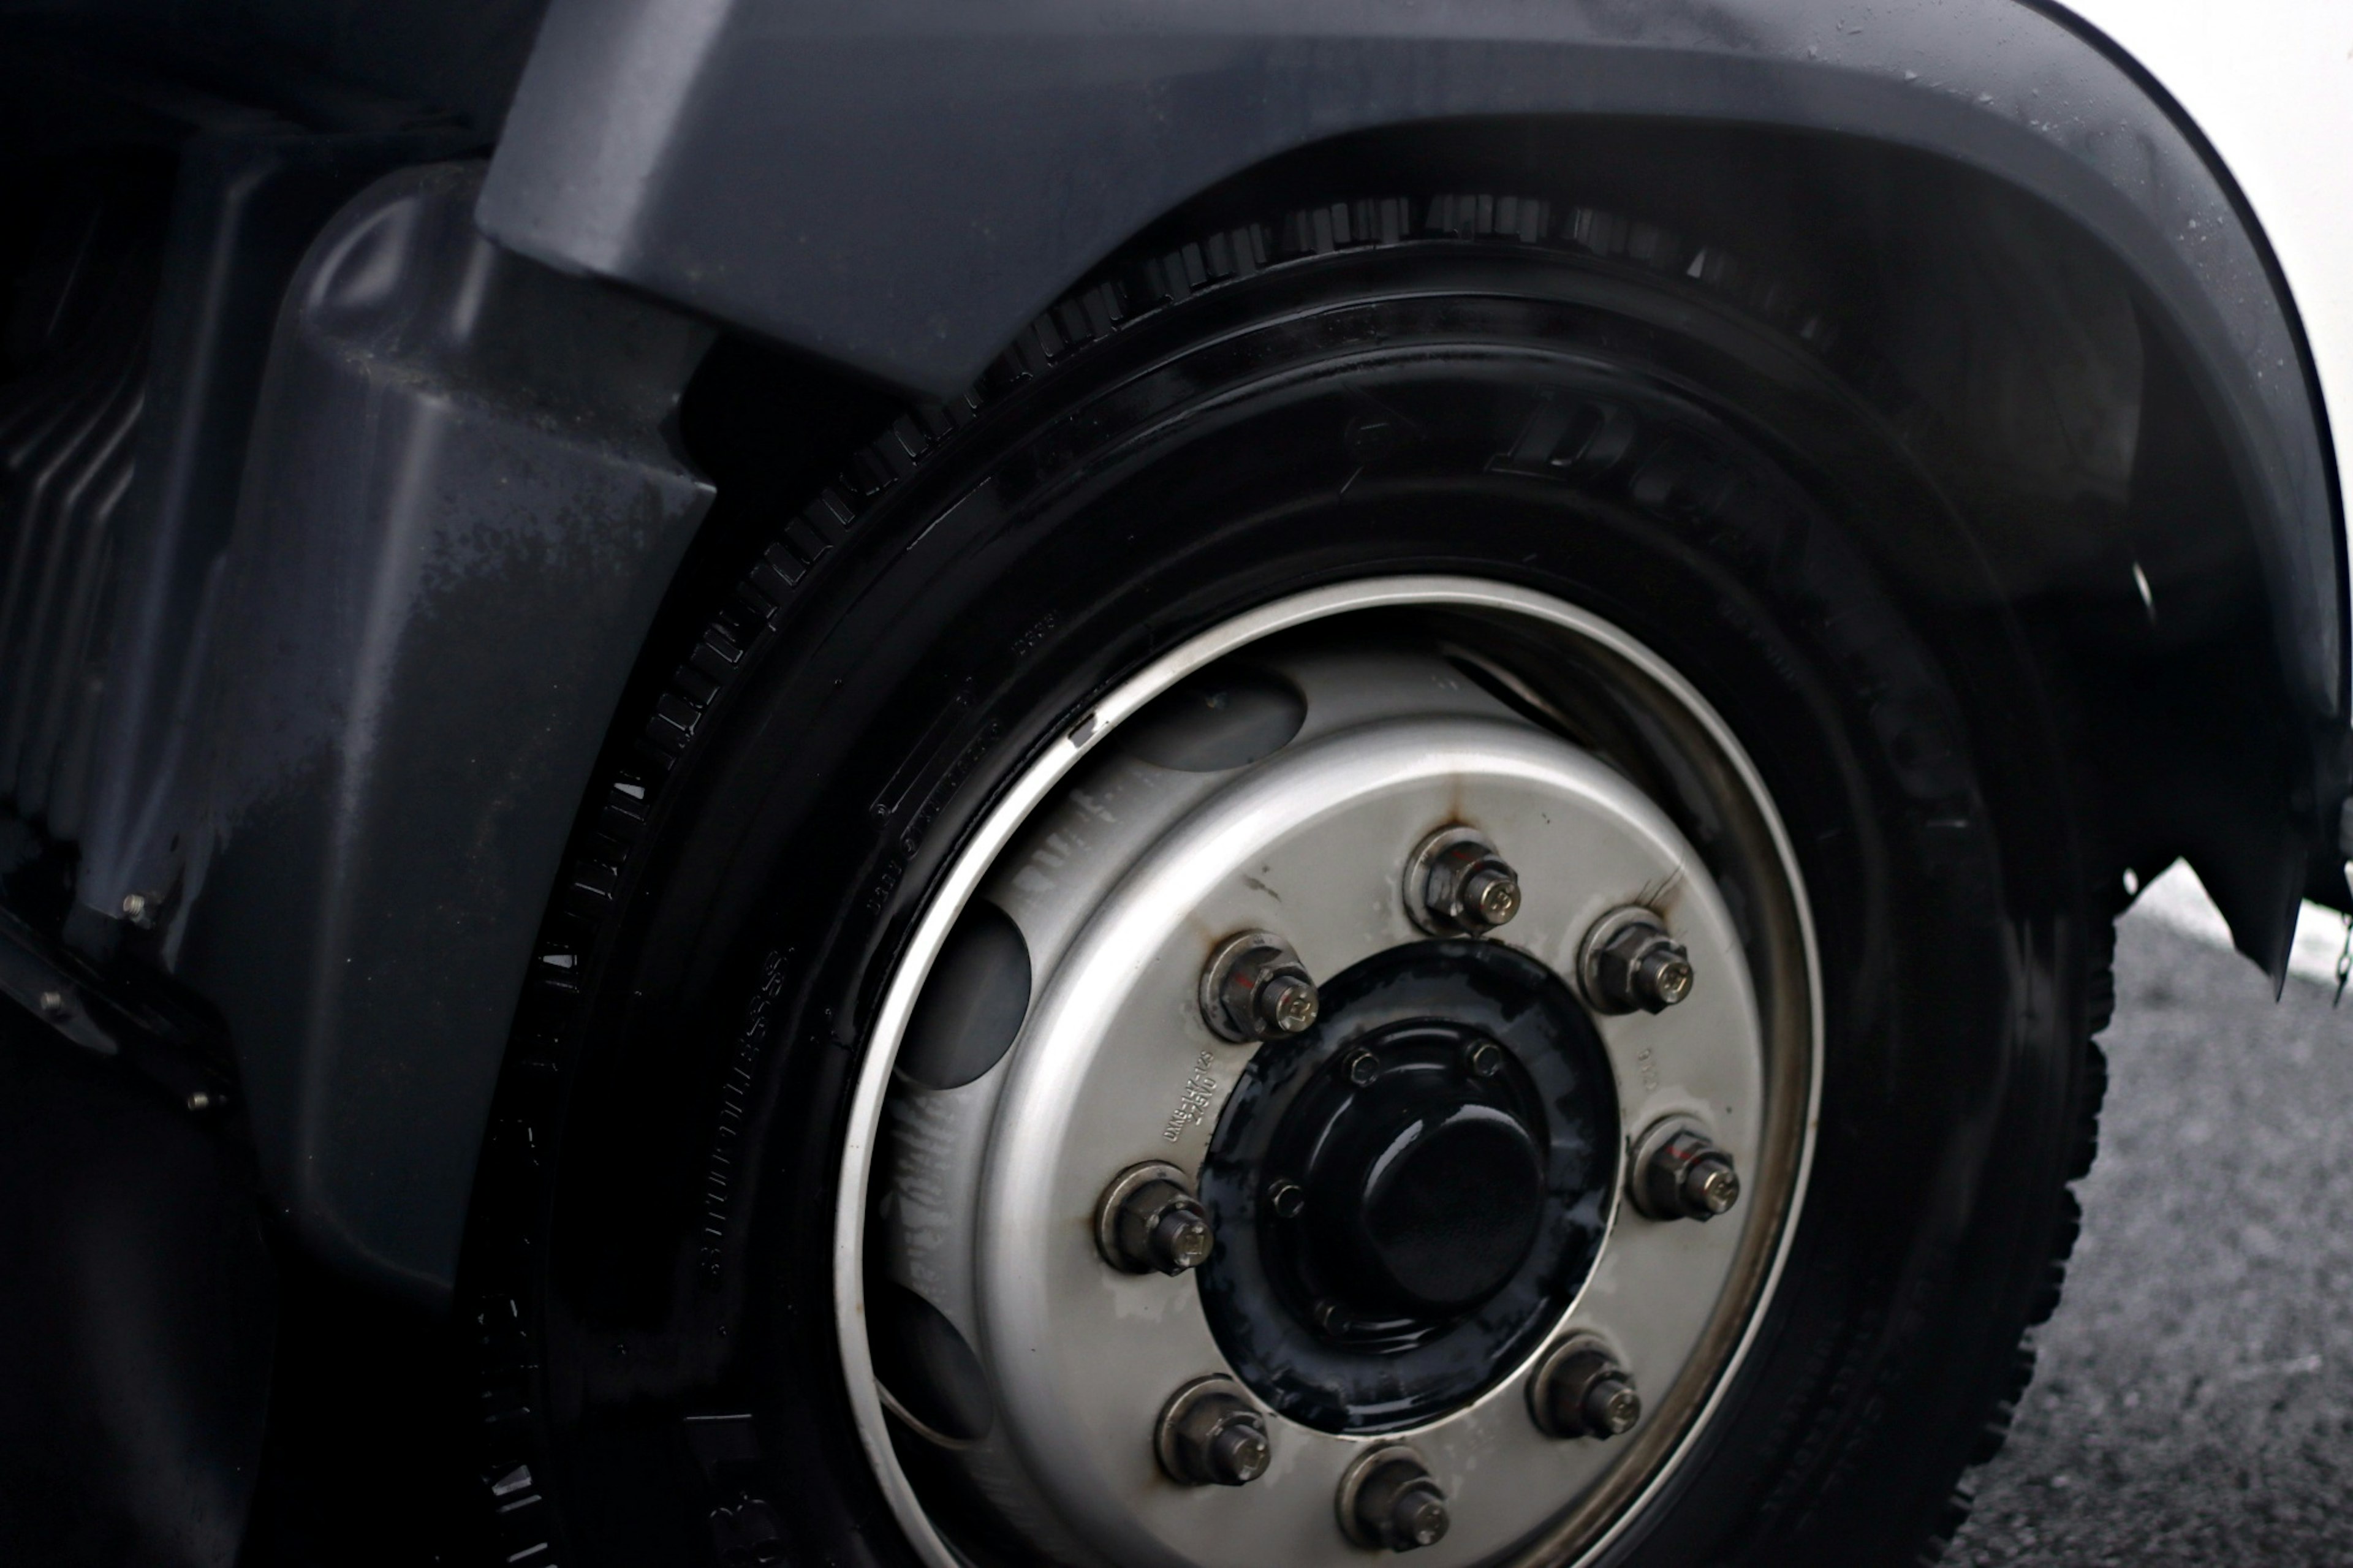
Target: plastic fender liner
(460,517)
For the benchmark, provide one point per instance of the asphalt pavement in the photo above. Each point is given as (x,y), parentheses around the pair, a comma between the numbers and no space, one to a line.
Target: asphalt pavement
(2193,1401)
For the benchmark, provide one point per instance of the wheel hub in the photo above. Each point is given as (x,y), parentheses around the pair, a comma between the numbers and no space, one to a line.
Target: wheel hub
(1451,1131)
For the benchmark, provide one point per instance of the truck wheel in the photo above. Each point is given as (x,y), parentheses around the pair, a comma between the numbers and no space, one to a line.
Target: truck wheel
(1345,911)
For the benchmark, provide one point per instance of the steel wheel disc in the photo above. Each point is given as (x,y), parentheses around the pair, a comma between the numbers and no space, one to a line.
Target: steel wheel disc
(1046,1031)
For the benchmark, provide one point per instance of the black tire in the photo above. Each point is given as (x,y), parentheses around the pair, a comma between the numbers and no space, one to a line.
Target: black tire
(1378,387)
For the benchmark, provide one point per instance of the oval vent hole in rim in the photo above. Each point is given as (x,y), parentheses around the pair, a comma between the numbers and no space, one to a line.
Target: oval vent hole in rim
(1219,719)
(973,1002)
(925,1364)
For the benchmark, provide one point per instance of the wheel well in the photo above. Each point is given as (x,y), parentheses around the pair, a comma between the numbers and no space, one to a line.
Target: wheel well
(2018,358)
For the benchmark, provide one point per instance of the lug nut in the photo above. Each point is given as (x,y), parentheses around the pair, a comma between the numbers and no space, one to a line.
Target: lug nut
(1630,963)
(1363,1067)
(1679,1174)
(1149,1222)
(1456,885)
(1580,1391)
(1388,1500)
(1286,1199)
(1486,1059)
(1211,1435)
(1255,988)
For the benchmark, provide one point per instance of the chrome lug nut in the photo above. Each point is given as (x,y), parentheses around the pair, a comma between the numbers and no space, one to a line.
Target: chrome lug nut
(1580,1391)
(1388,1500)
(1211,1435)
(1255,988)
(1456,885)
(1679,1174)
(1149,1222)
(1630,964)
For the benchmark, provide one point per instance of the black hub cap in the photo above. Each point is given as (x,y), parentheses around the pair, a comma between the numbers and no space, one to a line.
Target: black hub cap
(1423,1182)
(1406,1196)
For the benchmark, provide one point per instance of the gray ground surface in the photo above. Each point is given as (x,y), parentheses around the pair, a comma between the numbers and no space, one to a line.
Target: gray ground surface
(2194,1398)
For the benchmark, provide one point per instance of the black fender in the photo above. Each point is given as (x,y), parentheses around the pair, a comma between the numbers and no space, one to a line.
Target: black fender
(899,187)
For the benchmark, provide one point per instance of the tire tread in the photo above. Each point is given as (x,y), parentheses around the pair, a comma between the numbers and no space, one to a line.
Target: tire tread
(2100,993)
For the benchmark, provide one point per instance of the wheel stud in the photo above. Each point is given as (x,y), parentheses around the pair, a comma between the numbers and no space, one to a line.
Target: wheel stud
(1149,1222)
(1287,1003)
(1456,885)
(1631,964)
(1255,988)
(1580,1391)
(1491,895)
(1679,1174)
(1388,1500)
(1211,1435)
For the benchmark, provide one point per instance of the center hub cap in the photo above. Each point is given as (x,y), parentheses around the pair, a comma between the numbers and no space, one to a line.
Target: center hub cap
(1409,1197)
(1434,1210)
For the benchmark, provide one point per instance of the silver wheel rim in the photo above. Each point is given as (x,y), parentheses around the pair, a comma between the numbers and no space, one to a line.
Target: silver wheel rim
(1042,1457)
